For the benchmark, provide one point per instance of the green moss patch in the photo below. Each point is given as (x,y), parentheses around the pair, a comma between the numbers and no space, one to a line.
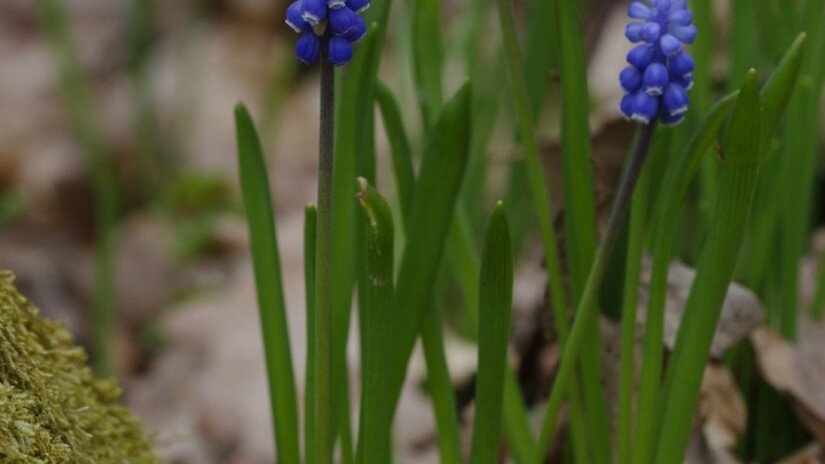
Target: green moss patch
(52,409)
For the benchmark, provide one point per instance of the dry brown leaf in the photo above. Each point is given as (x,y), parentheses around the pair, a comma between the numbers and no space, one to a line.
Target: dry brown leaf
(722,419)
(723,414)
(798,369)
(741,311)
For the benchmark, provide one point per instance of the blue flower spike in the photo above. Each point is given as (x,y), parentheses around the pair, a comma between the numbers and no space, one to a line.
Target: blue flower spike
(334,24)
(661,70)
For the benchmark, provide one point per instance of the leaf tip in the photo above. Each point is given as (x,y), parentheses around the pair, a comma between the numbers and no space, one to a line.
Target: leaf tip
(498,219)
(241,111)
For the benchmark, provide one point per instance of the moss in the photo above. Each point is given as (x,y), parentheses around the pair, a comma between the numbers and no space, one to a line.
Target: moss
(52,409)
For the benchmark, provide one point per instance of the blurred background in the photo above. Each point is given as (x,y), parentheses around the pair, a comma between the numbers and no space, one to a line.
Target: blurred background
(134,98)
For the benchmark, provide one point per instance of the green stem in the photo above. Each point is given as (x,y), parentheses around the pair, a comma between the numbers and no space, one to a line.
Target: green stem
(635,248)
(587,308)
(323,266)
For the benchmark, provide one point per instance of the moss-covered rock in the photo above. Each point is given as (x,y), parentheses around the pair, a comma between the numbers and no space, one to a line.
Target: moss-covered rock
(52,409)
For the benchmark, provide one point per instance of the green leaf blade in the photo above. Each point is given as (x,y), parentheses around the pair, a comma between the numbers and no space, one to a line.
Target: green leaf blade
(677,183)
(267,267)
(495,307)
(580,210)
(374,431)
(738,180)
(310,238)
(434,198)
(400,147)
(427,57)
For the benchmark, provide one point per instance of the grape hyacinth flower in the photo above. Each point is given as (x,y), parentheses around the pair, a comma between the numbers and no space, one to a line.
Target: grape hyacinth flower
(661,70)
(334,24)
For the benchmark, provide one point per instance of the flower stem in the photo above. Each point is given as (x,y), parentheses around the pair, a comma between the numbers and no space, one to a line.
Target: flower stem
(323,266)
(635,249)
(587,308)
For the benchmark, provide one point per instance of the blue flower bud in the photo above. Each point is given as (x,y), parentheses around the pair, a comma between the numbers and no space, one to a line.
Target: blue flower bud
(662,6)
(685,81)
(358,6)
(340,51)
(639,10)
(675,100)
(630,79)
(294,18)
(680,18)
(634,32)
(342,20)
(656,77)
(685,34)
(626,106)
(650,32)
(357,33)
(681,64)
(640,56)
(670,45)
(670,120)
(308,47)
(644,107)
(335,4)
(314,11)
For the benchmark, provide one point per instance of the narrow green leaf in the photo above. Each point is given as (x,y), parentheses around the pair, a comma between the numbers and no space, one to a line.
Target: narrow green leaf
(776,95)
(539,194)
(577,165)
(800,157)
(440,387)
(464,263)
(266,262)
(677,181)
(434,198)
(541,51)
(795,164)
(460,240)
(374,429)
(516,424)
(495,307)
(310,237)
(580,211)
(777,91)
(715,270)
(701,99)
(682,172)
(427,57)
(745,51)
(400,148)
